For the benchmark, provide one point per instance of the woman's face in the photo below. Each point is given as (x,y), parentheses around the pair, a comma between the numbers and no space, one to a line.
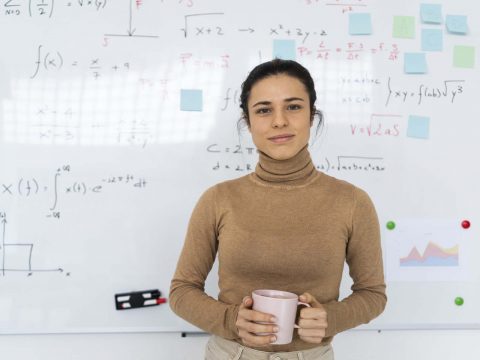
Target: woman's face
(279,113)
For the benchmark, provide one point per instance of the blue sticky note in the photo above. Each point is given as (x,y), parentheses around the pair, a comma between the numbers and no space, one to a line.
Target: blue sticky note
(418,127)
(284,49)
(415,63)
(191,100)
(359,24)
(456,24)
(432,40)
(431,13)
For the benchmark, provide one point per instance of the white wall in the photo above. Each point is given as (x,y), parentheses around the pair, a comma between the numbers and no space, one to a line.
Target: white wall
(352,345)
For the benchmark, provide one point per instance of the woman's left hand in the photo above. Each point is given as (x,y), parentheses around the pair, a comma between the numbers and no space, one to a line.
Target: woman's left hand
(313,320)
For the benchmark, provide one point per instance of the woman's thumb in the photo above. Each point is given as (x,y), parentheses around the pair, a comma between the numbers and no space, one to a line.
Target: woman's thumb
(247,301)
(309,299)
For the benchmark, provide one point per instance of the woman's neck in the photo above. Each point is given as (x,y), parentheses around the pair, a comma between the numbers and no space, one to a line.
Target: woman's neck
(296,170)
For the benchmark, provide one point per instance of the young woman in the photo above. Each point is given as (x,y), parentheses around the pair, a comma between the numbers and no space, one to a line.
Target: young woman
(285,226)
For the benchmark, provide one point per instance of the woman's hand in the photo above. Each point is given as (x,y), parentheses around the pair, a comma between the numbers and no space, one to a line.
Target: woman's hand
(248,328)
(313,320)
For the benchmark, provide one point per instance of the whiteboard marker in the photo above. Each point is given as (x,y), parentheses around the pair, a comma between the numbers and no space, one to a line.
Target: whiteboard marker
(155,302)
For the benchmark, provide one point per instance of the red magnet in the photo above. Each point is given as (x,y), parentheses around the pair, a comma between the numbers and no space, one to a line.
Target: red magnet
(465,224)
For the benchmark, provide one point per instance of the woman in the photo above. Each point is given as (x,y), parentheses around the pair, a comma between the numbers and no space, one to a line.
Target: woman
(287,227)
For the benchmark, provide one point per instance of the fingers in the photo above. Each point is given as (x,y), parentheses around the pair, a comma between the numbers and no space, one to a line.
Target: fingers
(312,331)
(313,323)
(314,313)
(312,339)
(254,340)
(255,328)
(251,315)
(253,334)
(317,311)
(309,299)
(313,320)
(247,302)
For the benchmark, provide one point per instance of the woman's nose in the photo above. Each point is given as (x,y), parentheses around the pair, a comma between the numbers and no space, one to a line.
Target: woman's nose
(279,119)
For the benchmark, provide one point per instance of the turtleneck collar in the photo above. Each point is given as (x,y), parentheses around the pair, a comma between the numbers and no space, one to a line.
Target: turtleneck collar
(294,171)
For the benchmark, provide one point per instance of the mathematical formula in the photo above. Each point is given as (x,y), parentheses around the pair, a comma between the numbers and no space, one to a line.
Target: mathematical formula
(446,90)
(245,162)
(62,185)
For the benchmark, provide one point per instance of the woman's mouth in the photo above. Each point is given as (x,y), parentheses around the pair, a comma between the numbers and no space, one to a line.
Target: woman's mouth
(279,139)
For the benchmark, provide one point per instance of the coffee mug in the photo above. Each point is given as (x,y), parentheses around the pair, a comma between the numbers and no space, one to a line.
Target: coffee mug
(281,304)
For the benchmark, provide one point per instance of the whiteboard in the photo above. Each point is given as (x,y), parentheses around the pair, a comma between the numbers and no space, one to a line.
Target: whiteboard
(101,163)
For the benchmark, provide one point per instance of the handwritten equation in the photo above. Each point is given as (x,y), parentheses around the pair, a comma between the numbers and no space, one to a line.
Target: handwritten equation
(61,187)
(58,127)
(239,163)
(213,24)
(53,61)
(350,51)
(344,6)
(446,90)
(190,60)
(45,8)
(246,162)
(380,125)
(343,163)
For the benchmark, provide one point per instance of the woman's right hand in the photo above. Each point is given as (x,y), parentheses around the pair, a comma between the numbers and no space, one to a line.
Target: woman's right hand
(248,328)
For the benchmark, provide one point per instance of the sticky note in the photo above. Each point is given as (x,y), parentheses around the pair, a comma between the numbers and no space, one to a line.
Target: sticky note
(415,63)
(418,127)
(404,27)
(432,40)
(431,13)
(284,49)
(456,24)
(191,100)
(464,56)
(359,24)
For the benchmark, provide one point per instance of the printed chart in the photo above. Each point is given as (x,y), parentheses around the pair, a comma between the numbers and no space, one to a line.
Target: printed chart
(427,250)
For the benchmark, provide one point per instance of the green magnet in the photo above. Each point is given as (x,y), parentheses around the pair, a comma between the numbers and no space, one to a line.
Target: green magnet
(459,301)
(390,225)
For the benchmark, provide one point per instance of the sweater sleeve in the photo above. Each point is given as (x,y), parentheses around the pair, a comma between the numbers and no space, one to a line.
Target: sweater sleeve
(364,258)
(187,295)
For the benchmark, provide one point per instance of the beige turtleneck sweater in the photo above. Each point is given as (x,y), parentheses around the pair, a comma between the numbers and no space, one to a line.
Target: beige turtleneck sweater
(287,227)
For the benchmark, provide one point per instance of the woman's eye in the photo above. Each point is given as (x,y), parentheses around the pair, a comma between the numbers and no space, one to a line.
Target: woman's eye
(263,111)
(294,107)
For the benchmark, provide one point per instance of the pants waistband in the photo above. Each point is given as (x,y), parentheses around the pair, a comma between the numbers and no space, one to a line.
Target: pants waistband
(238,351)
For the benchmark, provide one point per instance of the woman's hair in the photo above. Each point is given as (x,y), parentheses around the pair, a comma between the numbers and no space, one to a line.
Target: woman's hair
(278,67)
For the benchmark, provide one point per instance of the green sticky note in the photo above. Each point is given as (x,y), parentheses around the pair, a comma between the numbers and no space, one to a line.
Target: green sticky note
(404,27)
(464,56)
(284,49)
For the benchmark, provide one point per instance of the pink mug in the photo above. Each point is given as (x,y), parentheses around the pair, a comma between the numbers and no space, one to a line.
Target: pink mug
(281,304)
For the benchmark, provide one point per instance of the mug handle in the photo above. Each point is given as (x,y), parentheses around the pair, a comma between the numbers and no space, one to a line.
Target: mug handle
(300,303)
